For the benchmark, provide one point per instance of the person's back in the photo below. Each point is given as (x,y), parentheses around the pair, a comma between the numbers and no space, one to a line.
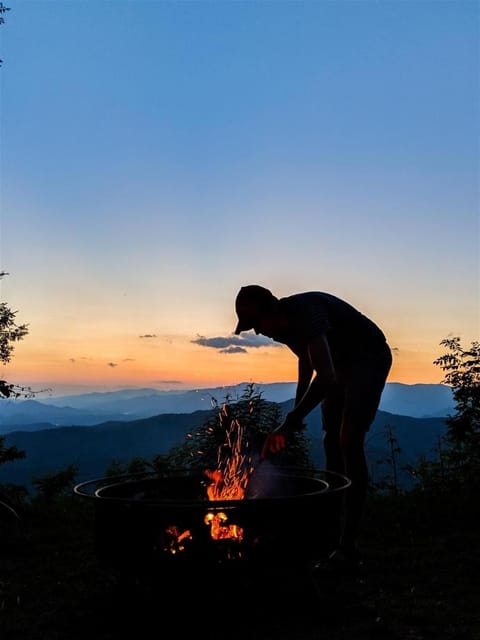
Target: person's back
(349,332)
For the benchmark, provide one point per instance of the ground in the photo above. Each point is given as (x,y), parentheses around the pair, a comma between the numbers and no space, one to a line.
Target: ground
(420,581)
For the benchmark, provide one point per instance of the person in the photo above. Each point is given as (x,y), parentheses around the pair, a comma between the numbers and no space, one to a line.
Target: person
(343,364)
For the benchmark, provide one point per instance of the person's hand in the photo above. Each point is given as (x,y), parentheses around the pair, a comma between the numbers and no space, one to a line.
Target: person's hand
(275,441)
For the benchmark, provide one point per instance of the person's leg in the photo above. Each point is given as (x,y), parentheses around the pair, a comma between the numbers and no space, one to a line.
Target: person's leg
(356,469)
(344,454)
(362,397)
(332,413)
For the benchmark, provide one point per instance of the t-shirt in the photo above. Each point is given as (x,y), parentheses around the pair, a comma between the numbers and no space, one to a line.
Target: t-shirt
(349,333)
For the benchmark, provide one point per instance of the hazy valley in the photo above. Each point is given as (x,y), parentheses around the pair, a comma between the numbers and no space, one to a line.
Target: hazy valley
(43,412)
(91,430)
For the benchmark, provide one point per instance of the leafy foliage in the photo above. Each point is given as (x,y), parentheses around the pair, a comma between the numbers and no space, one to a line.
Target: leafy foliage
(10,333)
(52,485)
(390,483)
(463,375)
(3,9)
(10,495)
(257,417)
(135,465)
(456,468)
(9,454)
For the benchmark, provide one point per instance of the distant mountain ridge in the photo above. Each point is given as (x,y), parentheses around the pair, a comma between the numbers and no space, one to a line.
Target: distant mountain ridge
(93,448)
(418,401)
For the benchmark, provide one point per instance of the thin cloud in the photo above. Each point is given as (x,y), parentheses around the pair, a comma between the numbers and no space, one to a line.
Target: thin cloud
(234,350)
(236,344)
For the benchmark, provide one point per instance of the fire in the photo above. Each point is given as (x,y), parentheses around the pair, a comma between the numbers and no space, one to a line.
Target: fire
(230,478)
(173,539)
(220,530)
(229,481)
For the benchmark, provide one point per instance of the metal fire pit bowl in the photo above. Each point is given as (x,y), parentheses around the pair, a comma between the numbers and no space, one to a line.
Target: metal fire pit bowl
(146,523)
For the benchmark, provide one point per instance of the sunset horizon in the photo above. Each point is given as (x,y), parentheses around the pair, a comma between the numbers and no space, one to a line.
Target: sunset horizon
(187,149)
(90,374)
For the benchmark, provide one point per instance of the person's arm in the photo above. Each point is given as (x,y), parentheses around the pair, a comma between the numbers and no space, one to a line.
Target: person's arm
(321,362)
(310,392)
(305,372)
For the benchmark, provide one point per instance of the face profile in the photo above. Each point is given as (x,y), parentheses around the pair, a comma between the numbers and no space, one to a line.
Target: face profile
(253,305)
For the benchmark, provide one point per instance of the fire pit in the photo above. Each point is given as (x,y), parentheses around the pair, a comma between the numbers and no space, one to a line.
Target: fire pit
(152,524)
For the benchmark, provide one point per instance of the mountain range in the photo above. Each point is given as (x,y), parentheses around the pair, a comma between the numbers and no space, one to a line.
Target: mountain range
(417,401)
(93,448)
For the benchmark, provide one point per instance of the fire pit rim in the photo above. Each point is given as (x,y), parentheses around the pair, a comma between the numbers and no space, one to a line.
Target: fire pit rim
(82,488)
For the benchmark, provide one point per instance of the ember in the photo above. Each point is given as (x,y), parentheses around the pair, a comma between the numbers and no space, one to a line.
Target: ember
(229,481)
(220,530)
(173,539)
(230,478)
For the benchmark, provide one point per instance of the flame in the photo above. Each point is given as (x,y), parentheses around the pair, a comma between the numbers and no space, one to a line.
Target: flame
(220,530)
(228,481)
(173,538)
(230,478)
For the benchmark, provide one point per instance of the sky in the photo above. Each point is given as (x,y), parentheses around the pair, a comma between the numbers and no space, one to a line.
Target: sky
(156,156)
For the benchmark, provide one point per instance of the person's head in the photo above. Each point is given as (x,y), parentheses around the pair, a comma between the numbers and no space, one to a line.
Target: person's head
(255,307)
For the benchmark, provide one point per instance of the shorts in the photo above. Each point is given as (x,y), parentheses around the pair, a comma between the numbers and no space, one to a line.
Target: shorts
(355,398)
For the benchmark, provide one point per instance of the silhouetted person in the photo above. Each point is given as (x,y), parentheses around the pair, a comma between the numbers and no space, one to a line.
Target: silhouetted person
(343,364)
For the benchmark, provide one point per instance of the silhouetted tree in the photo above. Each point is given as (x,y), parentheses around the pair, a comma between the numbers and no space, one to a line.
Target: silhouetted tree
(136,465)
(457,466)
(238,425)
(10,332)
(10,495)
(390,483)
(3,9)
(256,417)
(53,485)
(463,376)
(8,454)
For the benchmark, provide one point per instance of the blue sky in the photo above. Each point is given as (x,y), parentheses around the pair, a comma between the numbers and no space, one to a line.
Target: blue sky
(156,156)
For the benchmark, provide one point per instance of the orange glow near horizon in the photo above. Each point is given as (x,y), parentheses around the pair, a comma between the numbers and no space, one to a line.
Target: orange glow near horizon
(180,365)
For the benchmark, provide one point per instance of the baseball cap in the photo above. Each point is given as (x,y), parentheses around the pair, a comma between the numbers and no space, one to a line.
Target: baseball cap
(250,301)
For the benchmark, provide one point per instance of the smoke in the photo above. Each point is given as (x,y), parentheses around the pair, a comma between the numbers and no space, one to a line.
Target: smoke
(265,481)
